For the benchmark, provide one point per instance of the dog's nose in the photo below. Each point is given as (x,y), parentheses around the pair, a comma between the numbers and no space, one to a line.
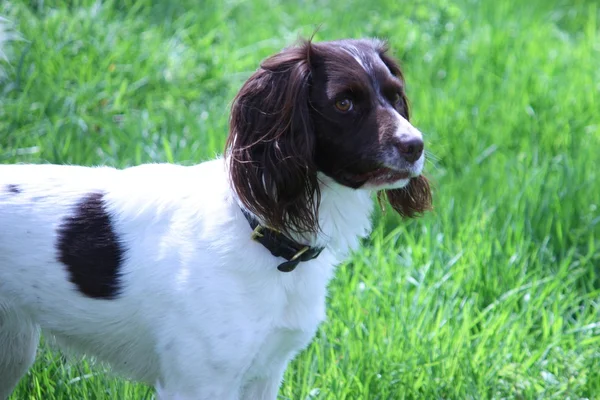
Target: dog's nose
(410,148)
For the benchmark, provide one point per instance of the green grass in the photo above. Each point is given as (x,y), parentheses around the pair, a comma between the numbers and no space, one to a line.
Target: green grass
(495,295)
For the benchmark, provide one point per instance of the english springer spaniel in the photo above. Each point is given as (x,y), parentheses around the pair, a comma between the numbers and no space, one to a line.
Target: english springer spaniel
(205,281)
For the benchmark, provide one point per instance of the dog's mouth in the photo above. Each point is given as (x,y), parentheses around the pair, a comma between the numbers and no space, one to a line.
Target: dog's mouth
(383,175)
(380,176)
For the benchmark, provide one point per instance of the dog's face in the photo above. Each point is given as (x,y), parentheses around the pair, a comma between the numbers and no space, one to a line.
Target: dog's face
(360,117)
(336,108)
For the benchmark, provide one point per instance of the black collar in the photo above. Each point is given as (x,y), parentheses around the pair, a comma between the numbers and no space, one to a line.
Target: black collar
(280,245)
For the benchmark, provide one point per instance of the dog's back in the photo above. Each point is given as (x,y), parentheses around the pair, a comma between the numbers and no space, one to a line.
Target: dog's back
(65,258)
(35,201)
(46,248)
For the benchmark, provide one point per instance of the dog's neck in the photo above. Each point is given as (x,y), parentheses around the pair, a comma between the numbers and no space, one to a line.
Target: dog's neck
(344,218)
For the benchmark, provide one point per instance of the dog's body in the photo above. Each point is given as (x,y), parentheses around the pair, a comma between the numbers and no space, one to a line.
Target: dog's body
(154,270)
(198,301)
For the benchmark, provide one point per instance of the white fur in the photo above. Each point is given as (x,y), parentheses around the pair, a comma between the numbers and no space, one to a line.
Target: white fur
(203,314)
(358,56)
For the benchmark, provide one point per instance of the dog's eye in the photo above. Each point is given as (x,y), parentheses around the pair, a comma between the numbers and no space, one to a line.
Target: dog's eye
(396,98)
(344,105)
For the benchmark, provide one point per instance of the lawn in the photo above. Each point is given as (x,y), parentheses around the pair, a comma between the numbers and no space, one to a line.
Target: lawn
(494,295)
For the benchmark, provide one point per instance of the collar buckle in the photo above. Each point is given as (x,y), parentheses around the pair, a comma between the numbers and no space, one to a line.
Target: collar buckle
(257,232)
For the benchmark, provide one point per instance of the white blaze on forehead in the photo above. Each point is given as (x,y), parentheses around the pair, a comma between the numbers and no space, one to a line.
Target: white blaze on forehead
(369,60)
(358,55)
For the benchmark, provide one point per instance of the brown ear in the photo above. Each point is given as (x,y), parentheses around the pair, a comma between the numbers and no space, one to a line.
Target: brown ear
(271,143)
(412,200)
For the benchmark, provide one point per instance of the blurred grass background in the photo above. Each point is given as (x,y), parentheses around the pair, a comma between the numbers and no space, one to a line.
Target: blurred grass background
(495,295)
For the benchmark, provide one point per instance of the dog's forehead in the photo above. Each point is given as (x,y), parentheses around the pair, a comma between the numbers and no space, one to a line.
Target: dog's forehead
(365,54)
(356,64)
(362,53)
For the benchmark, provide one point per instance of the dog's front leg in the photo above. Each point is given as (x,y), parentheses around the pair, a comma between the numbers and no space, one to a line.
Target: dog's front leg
(263,388)
(201,369)
(219,388)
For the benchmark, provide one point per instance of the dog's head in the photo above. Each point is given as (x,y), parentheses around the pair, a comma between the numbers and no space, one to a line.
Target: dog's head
(338,108)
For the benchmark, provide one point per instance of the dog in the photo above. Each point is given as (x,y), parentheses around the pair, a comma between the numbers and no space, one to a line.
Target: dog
(205,281)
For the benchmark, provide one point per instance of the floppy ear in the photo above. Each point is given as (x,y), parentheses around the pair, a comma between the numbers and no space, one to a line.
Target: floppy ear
(271,143)
(415,198)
